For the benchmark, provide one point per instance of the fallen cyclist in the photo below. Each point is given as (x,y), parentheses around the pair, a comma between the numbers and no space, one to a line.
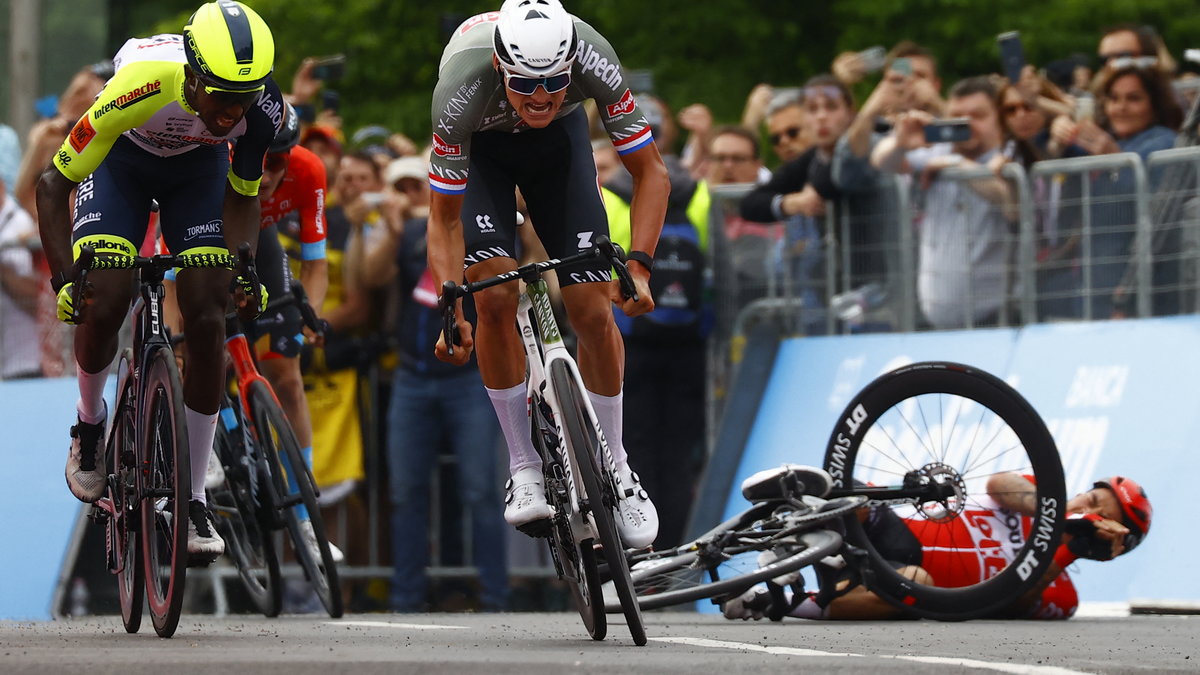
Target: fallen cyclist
(1107,521)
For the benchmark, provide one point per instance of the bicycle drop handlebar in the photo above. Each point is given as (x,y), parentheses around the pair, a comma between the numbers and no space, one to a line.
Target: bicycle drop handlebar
(603,249)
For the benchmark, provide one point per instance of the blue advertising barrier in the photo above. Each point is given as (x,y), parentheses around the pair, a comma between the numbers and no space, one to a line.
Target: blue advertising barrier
(1117,396)
(37,513)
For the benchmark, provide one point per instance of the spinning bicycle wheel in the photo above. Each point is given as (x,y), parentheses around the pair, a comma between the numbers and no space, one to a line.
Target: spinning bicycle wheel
(166,489)
(123,523)
(576,560)
(242,523)
(952,426)
(600,496)
(277,443)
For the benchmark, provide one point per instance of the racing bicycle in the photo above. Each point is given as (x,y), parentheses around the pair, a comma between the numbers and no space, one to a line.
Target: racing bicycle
(147,460)
(580,474)
(921,442)
(258,451)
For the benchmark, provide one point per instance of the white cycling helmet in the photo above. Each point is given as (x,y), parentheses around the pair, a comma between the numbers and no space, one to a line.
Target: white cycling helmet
(534,38)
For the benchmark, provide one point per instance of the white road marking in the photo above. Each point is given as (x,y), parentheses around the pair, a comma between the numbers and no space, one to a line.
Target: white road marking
(389,624)
(1018,669)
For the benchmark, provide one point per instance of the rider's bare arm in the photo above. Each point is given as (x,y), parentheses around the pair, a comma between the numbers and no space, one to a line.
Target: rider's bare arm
(446,253)
(1014,492)
(54,218)
(648,209)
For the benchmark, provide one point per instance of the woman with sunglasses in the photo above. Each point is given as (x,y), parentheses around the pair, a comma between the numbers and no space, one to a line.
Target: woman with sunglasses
(507,115)
(1136,111)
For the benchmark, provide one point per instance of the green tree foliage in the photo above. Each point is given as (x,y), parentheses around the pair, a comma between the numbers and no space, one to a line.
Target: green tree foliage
(712,52)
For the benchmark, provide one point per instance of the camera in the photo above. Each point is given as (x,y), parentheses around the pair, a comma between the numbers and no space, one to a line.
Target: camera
(329,67)
(1012,55)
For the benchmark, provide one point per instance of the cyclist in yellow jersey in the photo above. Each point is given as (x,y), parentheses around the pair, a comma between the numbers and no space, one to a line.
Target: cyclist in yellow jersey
(160,131)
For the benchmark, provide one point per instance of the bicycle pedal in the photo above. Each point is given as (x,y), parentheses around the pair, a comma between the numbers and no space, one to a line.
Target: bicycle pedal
(538,529)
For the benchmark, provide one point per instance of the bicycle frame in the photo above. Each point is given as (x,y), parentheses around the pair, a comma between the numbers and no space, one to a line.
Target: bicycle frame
(543,346)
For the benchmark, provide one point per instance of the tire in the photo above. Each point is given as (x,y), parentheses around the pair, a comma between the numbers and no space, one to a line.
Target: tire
(576,560)
(276,441)
(598,486)
(724,562)
(239,519)
(960,424)
(123,527)
(165,489)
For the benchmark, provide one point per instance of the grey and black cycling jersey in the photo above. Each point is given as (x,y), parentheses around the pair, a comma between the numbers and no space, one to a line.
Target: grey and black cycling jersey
(470,97)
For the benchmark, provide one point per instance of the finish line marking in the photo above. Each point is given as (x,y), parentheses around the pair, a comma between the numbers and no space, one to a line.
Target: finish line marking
(1018,669)
(389,624)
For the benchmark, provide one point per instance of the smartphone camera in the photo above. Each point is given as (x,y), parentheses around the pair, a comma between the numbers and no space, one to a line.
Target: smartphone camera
(953,130)
(329,67)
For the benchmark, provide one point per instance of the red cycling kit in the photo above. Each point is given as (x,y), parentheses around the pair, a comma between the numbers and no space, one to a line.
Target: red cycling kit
(977,544)
(303,191)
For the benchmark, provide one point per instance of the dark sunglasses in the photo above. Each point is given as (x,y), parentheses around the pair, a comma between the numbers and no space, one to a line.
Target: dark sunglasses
(276,161)
(527,85)
(790,132)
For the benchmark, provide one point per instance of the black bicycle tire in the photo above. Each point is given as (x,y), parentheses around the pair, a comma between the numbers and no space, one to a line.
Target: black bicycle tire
(571,406)
(323,575)
(243,527)
(582,580)
(160,378)
(131,579)
(984,598)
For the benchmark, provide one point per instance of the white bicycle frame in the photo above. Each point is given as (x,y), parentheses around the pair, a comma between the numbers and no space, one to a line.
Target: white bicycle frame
(544,346)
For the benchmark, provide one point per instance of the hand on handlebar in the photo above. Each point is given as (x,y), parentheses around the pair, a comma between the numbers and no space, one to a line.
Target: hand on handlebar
(644,303)
(462,347)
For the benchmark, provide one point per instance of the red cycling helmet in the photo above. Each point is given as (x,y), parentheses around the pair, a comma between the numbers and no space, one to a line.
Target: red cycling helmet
(1135,507)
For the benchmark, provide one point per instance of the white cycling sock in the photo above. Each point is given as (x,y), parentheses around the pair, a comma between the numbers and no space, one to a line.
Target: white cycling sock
(512,410)
(91,395)
(609,414)
(201,429)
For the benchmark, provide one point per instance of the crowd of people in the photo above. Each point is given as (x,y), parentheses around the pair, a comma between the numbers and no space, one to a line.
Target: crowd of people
(381,300)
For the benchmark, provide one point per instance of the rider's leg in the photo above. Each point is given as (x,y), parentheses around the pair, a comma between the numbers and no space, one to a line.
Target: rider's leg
(601,357)
(202,295)
(96,337)
(501,358)
(862,604)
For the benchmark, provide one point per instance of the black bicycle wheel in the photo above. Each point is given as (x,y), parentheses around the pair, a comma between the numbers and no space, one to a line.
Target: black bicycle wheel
(165,489)
(576,560)
(725,561)
(954,426)
(276,440)
(238,518)
(123,525)
(598,485)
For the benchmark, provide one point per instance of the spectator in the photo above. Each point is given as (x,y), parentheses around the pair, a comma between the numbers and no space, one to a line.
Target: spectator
(10,157)
(20,285)
(964,237)
(324,142)
(608,162)
(798,191)
(1136,112)
(785,125)
(47,135)
(733,159)
(1128,40)
(1025,112)
(665,352)
(434,406)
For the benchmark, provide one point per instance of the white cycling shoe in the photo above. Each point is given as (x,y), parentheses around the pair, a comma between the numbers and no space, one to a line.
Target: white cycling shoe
(310,542)
(525,498)
(638,519)
(753,604)
(787,480)
(214,473)
(204,545)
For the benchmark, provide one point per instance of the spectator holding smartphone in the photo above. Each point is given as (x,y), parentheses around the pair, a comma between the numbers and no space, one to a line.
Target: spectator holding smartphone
(965,235)
(1136,111)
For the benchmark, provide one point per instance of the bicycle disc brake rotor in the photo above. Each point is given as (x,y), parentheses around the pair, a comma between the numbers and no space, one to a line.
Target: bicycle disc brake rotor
(947,479)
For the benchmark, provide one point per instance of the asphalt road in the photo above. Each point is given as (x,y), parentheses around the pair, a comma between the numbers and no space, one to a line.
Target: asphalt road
(556,643)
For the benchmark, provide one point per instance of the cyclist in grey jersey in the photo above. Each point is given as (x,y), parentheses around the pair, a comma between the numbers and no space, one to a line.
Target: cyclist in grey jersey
(506,114)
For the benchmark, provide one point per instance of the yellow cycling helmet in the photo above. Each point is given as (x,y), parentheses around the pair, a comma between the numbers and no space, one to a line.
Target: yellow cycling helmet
(229,47)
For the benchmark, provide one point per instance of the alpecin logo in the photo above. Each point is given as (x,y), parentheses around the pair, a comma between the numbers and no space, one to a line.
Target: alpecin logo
(443,149)
(622,107)
(129,98)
